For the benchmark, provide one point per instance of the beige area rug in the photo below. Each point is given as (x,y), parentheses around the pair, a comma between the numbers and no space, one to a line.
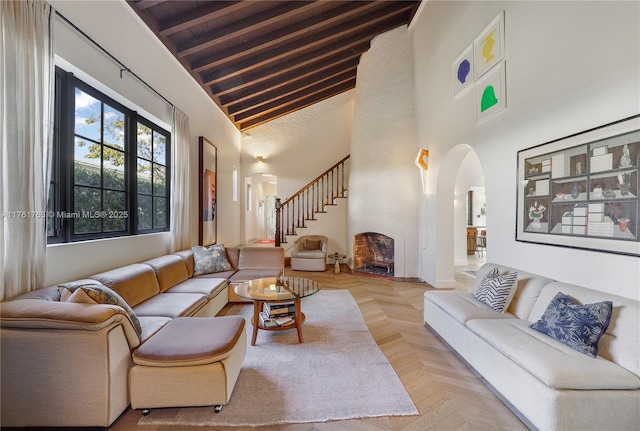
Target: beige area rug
(337,373)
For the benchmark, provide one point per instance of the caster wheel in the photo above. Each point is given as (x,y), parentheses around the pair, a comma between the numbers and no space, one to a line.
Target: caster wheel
(217,408)
(145,412)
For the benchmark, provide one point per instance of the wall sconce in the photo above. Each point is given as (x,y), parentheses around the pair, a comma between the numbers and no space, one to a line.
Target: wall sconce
(260,159)
(422,162)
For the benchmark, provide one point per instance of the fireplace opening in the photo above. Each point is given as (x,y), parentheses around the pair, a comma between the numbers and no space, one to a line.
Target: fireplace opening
(373,254)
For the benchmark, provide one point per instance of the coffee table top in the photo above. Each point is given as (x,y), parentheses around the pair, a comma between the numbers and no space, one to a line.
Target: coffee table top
(277,289)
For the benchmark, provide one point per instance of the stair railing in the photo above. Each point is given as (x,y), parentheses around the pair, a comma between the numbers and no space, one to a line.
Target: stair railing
(294,212)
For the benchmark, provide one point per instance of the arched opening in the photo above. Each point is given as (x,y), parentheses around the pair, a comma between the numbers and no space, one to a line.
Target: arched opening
(260,195)
(459,173)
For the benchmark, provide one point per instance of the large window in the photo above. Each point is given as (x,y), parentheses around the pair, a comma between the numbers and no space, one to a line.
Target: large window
(110,169)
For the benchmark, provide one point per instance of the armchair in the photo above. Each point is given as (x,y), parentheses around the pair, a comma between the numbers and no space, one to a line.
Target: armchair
(309,253)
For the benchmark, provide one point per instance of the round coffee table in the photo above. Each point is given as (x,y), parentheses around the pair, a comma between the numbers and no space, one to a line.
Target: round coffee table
(276,290)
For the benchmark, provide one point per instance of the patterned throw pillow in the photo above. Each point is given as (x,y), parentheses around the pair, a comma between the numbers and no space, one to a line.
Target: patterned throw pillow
(102,295)
(495,289)
(208,260)
(578,326)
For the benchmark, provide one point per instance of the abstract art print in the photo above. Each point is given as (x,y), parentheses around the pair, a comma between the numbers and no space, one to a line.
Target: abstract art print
(462,71)
(488,47)
(208,204)
(490,93)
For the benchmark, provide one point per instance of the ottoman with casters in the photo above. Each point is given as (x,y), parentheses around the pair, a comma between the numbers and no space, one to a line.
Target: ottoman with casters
(190,362)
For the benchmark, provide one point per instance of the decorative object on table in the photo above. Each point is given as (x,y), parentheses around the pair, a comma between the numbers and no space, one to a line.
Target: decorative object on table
(535,214)
(574,192)
(598,169)
(208,168)
(625,160)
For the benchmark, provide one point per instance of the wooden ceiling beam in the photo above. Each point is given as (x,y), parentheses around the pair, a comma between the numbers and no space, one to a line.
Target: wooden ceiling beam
(296,48)
(145,4)
(199,15)
(294,34)
(271,92)
(296,96)
(272,115)
(332,54)
(237,29)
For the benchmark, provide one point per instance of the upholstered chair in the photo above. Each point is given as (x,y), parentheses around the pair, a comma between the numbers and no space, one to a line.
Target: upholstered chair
(309,253)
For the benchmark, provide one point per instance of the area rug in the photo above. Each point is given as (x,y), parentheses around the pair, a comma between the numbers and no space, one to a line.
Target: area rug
(337,373)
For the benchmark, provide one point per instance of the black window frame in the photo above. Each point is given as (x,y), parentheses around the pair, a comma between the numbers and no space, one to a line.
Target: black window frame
(61,212)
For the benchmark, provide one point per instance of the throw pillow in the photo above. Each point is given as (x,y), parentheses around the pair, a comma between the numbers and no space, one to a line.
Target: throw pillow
(496,289)
(578,326)
(102,295)
(208,260)
(313,244)
(80,297)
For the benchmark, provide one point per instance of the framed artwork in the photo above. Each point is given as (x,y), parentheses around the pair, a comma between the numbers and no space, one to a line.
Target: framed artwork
(208,168)
(582,191)
(462,71)
(488,47)
(491,95)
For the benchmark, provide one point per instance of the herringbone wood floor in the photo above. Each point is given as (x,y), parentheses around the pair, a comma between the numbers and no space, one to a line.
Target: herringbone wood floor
(447,394)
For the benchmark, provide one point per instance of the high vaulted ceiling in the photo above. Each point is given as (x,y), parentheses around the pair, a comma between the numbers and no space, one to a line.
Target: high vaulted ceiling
(259,60)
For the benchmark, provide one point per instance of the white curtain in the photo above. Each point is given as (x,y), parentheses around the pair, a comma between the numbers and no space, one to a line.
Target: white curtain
(180,182)
(26,125)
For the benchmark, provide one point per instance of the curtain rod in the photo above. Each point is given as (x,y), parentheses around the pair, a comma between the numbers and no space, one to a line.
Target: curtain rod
(123,68)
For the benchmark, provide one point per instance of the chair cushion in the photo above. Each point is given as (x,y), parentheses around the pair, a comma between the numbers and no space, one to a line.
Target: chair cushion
(308,254)
(311,244)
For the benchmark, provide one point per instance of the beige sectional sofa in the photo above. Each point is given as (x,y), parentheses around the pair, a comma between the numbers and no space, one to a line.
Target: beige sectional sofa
(67,364)
(549,385)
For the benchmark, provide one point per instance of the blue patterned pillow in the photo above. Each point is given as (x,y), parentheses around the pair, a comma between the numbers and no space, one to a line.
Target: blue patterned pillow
(207,260)
(578,326)
(495,289)
(102,295)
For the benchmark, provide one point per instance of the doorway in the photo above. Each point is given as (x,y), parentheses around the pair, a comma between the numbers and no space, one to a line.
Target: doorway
(259,221)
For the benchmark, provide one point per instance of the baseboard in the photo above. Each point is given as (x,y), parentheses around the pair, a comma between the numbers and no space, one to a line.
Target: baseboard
(495,392)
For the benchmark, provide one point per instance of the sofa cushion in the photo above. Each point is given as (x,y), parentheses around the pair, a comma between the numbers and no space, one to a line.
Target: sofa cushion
(550,361)
(202,285)
(462,306)
(172,305)
(261,258)
(578,326)
(170,270)
(151,325)
(252,274)
(191,341)
(497,290)
(135,283)
(187,257)
(101,295)
(208,260)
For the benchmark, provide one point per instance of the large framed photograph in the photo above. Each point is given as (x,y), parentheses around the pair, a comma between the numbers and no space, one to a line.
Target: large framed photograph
(208,168)
(581,191)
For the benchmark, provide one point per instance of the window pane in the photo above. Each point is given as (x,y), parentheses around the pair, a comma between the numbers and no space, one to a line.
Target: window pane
(145,212)
(114,207)
(87,115)
(144,142)
(86,203)
(159,148)
(113,127)
(113,169)
(144,176)
(159,180)
(159,213)
(87,163)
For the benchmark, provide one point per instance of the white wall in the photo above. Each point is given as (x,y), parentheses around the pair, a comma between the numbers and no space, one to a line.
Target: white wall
(384,183)
(570,66)
(298,148)
(115,26)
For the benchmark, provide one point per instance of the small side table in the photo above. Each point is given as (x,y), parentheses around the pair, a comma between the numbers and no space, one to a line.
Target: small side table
(337,257)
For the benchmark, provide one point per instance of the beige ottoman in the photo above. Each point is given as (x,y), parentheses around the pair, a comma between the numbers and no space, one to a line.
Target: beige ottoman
(192,361)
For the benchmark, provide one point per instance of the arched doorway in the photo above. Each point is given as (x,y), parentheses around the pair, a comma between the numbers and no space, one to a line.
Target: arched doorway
(260,195)
(459,172)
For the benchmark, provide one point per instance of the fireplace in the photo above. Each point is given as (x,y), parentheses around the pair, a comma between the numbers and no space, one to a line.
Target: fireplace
(373,254)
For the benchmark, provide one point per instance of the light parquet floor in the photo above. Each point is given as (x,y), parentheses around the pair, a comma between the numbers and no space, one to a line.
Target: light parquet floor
(447,395)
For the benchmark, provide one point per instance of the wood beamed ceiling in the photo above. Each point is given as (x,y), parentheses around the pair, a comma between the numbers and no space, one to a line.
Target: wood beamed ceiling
(260,60)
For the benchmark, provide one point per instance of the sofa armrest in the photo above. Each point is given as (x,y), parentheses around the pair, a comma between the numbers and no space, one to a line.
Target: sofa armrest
(41,314)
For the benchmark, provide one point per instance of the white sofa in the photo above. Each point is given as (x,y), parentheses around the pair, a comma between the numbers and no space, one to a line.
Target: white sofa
(547,384)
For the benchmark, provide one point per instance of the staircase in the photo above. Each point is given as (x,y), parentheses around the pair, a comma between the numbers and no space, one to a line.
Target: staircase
(312,199)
